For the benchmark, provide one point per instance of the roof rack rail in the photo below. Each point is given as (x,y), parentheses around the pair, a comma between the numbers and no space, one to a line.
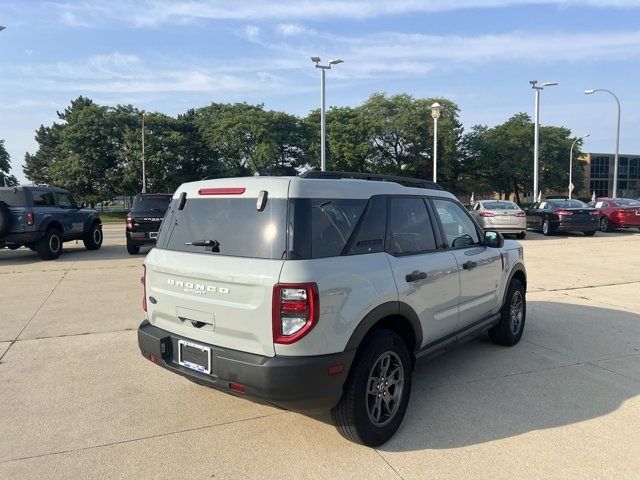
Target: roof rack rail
(376,177)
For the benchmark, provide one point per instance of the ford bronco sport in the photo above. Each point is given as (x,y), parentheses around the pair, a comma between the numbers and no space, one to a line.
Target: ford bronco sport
(320,292)
(42,218)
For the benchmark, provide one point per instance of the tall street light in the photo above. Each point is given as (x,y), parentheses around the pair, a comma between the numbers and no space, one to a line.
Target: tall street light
(536,138)
(435,113)
(571,162)
(144,167)
(615,163)
(323,152)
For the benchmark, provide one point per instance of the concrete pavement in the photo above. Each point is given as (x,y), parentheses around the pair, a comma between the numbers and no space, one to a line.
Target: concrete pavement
(78,400)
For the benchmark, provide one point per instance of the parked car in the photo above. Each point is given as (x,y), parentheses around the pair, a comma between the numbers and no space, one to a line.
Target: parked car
(43,218)
(144,219)
(319,292)
(618,213)
(551,216)
(500,215)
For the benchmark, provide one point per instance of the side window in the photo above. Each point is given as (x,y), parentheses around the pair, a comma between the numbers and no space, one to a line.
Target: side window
(535,206)
(65,200)
(369,238)
(458,227)
(599,204)
(477,207)
(544,206)
(42,198)
(410,230)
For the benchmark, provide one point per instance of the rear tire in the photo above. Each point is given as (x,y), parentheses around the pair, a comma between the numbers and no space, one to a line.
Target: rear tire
(49,247)
(546,228)
(376,393)
(605,226)
(590,233)
(93,239)
(133,249)
(512,316)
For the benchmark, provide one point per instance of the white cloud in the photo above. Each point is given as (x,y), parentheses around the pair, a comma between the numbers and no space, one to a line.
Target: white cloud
(252,32)
(292,29)
(145,13)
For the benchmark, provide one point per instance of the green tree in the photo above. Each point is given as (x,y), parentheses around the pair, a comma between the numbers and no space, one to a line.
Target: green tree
(5,168)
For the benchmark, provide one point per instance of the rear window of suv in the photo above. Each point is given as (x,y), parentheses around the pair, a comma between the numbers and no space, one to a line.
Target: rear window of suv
(151,203)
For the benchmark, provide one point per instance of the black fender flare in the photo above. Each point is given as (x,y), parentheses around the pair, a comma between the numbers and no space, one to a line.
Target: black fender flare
(387,309)
(48,222)
(88,223)
(518,267)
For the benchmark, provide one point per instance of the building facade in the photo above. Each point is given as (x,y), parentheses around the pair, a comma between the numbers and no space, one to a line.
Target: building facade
(599,168)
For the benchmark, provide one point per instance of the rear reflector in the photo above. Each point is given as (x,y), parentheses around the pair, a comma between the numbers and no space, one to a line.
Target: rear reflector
(336,369)
(236,387)
(221,191)
(153,358)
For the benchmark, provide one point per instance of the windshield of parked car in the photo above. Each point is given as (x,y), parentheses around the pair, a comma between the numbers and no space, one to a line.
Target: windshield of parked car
(626,202)
(148,203)
(567,204)
(500,206)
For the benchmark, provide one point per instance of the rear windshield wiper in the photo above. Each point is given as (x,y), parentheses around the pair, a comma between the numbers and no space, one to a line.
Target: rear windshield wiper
(204,243)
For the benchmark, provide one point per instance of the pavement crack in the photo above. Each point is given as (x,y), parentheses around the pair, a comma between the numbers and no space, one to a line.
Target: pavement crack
(138,439)
(390,466)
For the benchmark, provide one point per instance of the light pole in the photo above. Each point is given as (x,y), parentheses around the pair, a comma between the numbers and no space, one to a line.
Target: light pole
(571,162)
(323,151)
(536,138)
(615,162)
(435,113)
(144,167)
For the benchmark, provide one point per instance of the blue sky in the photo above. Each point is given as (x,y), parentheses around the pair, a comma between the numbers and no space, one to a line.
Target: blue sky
(170,55)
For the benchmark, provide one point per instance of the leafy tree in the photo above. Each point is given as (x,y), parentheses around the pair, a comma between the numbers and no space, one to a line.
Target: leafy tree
(5,167)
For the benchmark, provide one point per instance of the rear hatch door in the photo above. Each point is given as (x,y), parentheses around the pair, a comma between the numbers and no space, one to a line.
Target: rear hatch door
(216,262)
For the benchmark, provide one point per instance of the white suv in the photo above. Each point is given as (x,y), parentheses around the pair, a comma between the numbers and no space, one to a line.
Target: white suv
(319,292)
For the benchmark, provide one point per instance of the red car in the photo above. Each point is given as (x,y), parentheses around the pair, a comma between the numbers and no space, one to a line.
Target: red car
(618,213)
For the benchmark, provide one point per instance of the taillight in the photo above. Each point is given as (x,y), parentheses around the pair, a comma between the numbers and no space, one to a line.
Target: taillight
(143,280)
(487,214)
(521,214)
(564,213)
(30,217)
(295,311)
(129,222)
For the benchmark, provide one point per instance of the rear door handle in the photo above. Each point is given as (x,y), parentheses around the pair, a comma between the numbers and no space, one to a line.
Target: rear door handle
(415,275)
(469,265)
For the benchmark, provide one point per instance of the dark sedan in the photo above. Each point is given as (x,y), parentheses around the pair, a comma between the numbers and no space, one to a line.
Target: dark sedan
(562,215)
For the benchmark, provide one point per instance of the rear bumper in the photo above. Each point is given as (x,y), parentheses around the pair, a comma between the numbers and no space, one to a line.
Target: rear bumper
(582,226)
(631,221)
(295,383)
(139,238)
(22,238)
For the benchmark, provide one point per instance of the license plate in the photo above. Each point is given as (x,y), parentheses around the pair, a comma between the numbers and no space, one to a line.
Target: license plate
(194,356)
(153,235)
(638,212)
(504,217)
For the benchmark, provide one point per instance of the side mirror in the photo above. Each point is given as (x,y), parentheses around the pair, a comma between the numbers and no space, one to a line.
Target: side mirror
(82,205)
(493,239)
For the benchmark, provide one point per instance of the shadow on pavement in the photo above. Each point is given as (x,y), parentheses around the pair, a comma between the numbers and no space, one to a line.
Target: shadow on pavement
(71,253)
(452,407)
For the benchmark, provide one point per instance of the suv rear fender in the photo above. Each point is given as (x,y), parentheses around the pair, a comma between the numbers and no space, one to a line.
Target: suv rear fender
(396,316)
(50,223)
(90,221)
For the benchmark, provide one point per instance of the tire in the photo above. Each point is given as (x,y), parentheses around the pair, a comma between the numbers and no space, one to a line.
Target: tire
(605,226)
(512,318)
(133,249)
(49,247)
(546,228)
(590,233)
(5,218)
(521,235)
(356,413)
(93,239)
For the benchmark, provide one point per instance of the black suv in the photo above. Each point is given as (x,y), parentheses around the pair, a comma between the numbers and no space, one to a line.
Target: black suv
(144,219)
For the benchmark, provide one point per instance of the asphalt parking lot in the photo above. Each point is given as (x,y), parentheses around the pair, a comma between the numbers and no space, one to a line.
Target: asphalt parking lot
(78,401)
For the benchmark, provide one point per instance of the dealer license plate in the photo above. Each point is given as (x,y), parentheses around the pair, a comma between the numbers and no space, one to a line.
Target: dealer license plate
(153,235)
(194,356)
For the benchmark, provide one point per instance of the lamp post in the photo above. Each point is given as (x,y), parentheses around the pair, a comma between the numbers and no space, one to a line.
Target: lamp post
(615,162)
(323,152)
(144,167)
(571,162)
(536,138)
(435,113)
